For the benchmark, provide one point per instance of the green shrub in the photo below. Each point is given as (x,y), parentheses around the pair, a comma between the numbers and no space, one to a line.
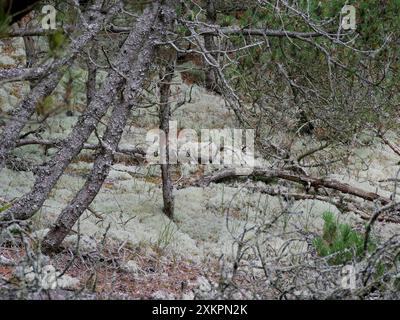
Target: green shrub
(339,241)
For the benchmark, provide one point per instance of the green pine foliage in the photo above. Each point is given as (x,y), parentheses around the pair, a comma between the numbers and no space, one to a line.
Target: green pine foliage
(339,242)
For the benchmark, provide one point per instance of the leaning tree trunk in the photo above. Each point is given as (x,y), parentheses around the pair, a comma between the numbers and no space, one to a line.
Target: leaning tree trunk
(85,196)
(48,175)
(165,114)
(92,74)
(45,87)
(112,136)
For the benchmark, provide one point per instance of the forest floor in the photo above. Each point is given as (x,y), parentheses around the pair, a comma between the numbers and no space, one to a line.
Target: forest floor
(124,246)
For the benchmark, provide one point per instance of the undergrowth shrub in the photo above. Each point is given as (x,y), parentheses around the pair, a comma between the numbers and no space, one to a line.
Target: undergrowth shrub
(339,242)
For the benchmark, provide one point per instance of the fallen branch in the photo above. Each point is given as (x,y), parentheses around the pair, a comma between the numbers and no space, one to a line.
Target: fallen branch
(267,174)
(343,204)
(58,144)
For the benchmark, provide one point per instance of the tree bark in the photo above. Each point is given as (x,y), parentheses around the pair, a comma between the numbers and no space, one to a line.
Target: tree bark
(45,87)
(164,116)
(209,44)
(29,44)
(104,160)
(112,136)
(92,75)
(48,175)
(266,174)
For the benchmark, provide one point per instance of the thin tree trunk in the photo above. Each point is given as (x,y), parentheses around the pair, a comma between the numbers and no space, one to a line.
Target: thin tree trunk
(48,175)
(209,44)
(45,87)
(164,116)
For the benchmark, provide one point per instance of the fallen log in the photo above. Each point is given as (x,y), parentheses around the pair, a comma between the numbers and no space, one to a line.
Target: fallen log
(267,174)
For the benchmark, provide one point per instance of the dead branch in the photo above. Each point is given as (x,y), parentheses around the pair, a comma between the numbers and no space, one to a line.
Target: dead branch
(267,174)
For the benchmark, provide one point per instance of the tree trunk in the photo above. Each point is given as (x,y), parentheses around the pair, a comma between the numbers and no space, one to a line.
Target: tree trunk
(165,114)
(112,136)
(211,83)
(92,74)
(48,175)
(45,87)
(104,160)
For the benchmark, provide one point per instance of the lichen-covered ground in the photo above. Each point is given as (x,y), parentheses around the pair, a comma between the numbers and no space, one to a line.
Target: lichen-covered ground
(128,247)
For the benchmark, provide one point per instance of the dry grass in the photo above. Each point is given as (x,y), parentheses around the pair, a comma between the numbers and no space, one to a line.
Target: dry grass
(102,273)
